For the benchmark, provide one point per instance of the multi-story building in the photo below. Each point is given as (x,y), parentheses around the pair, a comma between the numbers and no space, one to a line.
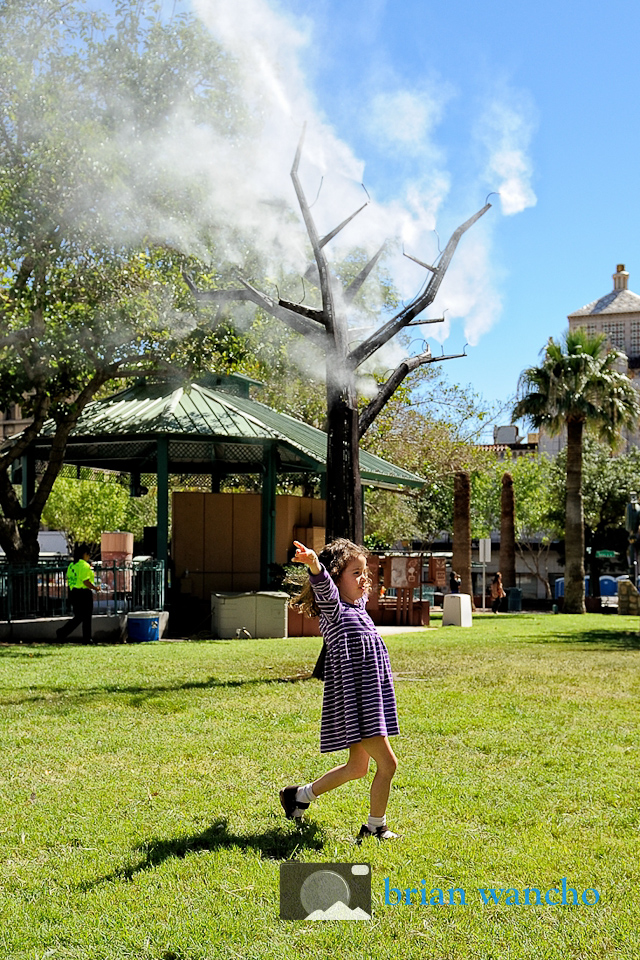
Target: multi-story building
(12,421)
(617,315)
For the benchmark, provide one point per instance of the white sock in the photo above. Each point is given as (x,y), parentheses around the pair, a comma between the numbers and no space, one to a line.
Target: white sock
(305,794)
(374,822)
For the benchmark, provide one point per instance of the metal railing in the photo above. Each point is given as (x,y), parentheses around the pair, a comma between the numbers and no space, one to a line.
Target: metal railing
(32,591)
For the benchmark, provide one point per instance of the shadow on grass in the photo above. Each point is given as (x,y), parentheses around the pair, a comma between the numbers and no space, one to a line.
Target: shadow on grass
(140,694)
(603,639)
(275,844)
(33,652)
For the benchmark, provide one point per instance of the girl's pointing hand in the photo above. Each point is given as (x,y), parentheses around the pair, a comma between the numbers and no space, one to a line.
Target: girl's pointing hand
(306,556)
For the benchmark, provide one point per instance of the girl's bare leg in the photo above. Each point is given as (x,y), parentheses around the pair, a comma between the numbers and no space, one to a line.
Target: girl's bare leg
(356,767)
(380,750)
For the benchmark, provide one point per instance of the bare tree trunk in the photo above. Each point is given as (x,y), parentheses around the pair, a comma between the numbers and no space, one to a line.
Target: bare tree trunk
(507,532)
(462,530)
(574,528)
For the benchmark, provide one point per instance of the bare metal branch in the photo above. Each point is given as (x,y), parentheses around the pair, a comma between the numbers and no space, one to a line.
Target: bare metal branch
(421,323)
(387,389)
(296,321)
(293,315)
(316,244)
(419,262)
(352,290)
(334,233)
(412,310)
(311,312)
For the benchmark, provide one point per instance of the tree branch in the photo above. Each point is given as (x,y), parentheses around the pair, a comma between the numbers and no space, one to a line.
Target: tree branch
(311,312)
(386,391)
(336,230)
(297,322)
(28,435)
(293,315)
(316,245)
(408,313)
(59,443)
(352,290)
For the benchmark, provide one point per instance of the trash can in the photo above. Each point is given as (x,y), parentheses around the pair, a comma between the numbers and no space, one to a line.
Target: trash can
(143,626)
(514,600)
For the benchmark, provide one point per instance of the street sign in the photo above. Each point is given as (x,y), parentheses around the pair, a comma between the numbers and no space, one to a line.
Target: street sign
(485,549)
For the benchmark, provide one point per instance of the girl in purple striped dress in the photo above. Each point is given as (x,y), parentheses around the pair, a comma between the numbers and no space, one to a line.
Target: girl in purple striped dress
(359,705)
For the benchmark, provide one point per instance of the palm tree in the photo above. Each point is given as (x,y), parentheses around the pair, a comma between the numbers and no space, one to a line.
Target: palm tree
(580,383)
(461,560)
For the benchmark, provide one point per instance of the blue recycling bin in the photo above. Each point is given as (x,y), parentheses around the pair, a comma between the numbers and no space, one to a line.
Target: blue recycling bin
(143,626)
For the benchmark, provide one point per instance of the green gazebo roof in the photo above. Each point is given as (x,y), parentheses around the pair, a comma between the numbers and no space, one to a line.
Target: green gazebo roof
(206,426)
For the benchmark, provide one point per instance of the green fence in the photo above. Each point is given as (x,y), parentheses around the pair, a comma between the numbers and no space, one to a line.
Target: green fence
(31,591)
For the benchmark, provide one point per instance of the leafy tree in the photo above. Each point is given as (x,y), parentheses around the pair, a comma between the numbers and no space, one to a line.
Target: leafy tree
(578,385)
(607,482)
(430,427)
(82,299)
(536,523)
(84,508)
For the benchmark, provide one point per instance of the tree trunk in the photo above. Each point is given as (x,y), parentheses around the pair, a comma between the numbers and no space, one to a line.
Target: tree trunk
(462,530)
(507,532)
(344,489)
(574,529)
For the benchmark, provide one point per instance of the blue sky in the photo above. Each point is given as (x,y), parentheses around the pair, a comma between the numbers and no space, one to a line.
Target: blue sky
(565,74)
(433,106)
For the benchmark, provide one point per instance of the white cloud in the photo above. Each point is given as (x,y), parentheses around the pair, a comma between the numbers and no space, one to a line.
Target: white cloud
(505,128)
(245,186)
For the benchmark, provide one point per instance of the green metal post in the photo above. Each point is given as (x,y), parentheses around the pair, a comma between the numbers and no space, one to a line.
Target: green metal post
(28,477)
(268,519)
(163,500)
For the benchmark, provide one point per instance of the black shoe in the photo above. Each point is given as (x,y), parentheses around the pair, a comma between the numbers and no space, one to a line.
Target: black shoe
(292,809)
(380,833)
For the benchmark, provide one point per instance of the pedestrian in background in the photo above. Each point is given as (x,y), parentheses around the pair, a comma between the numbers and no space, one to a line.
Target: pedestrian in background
(497,592)
(81,580)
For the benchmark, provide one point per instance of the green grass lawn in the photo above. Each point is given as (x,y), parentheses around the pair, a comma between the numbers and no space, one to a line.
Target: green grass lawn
(140,814)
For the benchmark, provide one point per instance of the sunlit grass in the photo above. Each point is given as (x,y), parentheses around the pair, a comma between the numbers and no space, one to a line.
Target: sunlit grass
(140,813)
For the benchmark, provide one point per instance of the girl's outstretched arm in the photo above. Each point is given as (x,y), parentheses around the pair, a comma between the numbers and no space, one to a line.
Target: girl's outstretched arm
(324,589)
(306,556)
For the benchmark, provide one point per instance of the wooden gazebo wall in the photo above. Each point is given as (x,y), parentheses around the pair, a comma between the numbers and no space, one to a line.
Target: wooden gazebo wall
(216,538)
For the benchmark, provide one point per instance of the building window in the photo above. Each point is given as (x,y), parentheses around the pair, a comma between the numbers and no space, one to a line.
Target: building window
(634,342)
(615,334)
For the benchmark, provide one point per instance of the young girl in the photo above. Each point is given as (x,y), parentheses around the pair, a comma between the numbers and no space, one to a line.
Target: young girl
(359,706)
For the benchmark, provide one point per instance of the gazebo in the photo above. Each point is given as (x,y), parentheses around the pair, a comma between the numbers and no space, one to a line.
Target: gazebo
(210,426)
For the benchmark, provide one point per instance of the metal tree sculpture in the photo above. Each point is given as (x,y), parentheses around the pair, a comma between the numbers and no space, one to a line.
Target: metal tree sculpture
(327,327)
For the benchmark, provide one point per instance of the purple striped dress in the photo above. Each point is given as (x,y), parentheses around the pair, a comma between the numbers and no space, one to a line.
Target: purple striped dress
(359,699)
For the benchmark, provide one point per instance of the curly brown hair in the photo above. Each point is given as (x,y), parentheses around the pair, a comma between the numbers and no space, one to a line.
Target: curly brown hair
(334,556)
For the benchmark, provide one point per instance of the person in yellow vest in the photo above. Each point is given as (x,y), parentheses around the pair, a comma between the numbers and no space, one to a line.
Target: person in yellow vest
(81,580)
